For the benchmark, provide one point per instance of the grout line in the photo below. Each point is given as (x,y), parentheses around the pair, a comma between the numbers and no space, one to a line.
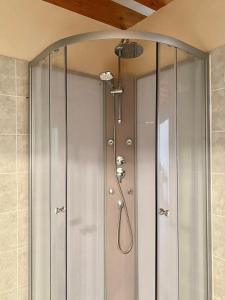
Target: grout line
(15,96)
(218,131)
(211,241)
(17,204)
(22,209)
(14,173)
(218,89)
(220,258)
(13,134)
(218,173)
(8,211)
(218,216)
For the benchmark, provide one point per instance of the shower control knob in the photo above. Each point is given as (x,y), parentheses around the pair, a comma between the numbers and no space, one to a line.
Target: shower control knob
(129,142)
(120,173)
(110,142)
(120,204)
(120,160)
(111,191)
(129,191)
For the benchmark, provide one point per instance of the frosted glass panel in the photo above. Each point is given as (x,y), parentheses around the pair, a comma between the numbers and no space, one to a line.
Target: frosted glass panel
(192,199)
(85,206)
(40,182)
(146,91)
(167,177)
(58,174)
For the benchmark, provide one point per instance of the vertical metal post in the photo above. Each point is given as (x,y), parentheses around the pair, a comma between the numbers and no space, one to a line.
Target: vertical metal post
(156,165)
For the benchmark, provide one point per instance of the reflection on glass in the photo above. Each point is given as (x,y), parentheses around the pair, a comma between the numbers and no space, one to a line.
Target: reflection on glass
(192,201)
(40,182)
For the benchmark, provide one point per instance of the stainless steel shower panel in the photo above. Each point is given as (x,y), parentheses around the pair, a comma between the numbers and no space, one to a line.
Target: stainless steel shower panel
(120,267)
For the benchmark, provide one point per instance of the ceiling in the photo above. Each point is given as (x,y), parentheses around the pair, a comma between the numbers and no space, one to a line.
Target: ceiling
(28,26)
(121,14)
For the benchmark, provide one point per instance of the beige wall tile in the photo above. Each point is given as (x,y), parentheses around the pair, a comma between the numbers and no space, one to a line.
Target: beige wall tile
(22,78)
(13,187)
(8,230)
(218,110)
(8,192)
(22,227)
(219,278)
(219,236)
(218,68)
(22,153)
(22,182)
(8,270)
(7,75)
(218,194)
(218,152)
(23,266)
(7,115)
(23,293)
(22,115)
(7,154)
(10,295)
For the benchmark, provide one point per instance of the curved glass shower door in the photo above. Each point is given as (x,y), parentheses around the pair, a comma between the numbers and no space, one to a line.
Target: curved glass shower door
(182,178)
(192,177)
(48,245)
(118,179)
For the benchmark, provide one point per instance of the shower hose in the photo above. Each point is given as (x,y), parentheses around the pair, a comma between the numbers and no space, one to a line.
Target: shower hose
(122,205)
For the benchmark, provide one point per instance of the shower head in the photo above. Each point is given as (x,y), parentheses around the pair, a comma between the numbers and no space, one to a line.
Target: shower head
(106,76)
(127,49)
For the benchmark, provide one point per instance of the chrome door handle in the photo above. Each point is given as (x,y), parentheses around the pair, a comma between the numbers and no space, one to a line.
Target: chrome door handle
(164,212)
(59,210)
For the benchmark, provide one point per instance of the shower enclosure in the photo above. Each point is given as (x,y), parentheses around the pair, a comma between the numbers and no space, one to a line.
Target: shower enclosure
(119,201)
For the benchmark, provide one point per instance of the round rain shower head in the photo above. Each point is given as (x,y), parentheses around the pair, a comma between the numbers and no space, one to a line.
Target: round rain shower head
(127,49)
(106,76)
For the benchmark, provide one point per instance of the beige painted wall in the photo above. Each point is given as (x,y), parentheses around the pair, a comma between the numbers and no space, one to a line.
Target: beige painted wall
(200,23)
(28,26)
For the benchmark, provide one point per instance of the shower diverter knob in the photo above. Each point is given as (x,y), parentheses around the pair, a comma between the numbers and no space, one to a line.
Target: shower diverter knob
(120,160)
(120,173)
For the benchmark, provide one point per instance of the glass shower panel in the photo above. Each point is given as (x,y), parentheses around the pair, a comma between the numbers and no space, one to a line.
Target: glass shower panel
(40,184)
(146,93)
(167,245)
(85,208)
(192,198)
(58,174)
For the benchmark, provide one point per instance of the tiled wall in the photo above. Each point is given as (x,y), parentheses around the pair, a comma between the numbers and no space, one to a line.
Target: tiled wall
(13,179)
(218,169)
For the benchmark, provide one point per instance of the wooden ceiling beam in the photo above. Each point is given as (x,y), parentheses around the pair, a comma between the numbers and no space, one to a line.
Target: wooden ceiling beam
(105,11)
(154,4)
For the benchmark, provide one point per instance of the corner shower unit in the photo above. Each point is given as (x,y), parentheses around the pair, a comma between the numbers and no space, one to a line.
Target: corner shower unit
(119,201)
